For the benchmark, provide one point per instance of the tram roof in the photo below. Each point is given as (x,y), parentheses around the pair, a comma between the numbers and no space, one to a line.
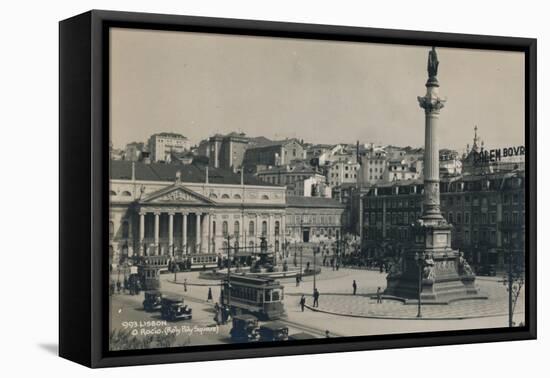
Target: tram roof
(254,280)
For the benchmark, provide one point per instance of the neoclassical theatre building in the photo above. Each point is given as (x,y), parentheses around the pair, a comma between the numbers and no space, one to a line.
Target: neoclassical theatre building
(168,209)
(165,209)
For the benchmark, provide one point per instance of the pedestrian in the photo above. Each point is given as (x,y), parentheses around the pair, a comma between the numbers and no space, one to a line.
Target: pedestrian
(297,280)
(217,316)
(354,287)
(381,268)
(303,302)
(125,283)
(379,295)
(209,299)
(327,334)
(118,285)
(185,284)
(316,298)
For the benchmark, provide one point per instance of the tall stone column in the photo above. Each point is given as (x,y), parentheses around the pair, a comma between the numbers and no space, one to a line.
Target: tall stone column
(171,233)
(204,232)
(432,104)
(157,230)
(184,233)
(197,232)
(141,232)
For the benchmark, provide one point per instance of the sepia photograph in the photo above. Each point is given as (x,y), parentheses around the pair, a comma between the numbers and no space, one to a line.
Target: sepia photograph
(267,189)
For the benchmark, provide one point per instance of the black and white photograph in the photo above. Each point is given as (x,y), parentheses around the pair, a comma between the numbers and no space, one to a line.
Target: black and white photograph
(269,189)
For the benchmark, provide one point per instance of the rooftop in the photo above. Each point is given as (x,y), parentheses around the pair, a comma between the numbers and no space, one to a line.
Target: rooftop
(193,173)
(318,202)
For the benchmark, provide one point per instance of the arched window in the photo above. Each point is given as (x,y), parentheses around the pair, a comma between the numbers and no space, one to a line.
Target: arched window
(277,228)
(125,230)
(213,195)
(251,228)
(126,194)
(224,228)
(237,196)
(112,193)
(236,246)
(225,196)
(264,228)
(236,229)
(265,197)
(276,246)
(111,230)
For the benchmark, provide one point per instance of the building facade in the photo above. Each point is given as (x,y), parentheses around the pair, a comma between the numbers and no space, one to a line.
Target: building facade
(165,209)
(273,153)
(225,151)
(487,213)
(313,219)
(162,145)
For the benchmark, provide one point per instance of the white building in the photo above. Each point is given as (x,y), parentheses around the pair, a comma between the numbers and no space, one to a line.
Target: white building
(162,145)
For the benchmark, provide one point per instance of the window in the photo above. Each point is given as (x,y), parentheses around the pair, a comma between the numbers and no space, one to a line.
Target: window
(277,228)
(111,230)
(225,196)
(225,229)
(112,193)
(264,228)
(236,229)
(451,219)
(126,194)
(251,228)
(237,196)
(264,197)
(466,218)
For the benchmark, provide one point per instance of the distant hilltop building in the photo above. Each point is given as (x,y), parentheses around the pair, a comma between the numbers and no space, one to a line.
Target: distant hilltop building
(273,153)
(133,151)
(301,180)
(225,151)
(162,145)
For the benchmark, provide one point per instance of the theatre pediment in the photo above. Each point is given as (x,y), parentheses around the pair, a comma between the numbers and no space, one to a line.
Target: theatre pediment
(175,195)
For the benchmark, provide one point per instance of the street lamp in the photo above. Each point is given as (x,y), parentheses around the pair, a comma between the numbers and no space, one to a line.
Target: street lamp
(420,260)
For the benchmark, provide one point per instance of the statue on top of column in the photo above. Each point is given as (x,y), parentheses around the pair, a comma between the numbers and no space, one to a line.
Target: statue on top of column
(433,63)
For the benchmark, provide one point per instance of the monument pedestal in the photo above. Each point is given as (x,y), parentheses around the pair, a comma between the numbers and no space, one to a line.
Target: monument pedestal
(445,274)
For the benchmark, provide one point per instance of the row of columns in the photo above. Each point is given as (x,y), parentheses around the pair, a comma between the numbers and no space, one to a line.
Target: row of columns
(203,229)
(201,238)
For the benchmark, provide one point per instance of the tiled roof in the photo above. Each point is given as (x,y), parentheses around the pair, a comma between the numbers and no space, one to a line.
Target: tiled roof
(294,201)
(122,170)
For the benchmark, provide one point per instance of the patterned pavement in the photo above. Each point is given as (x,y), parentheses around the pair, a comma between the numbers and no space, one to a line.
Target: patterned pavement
(364,306)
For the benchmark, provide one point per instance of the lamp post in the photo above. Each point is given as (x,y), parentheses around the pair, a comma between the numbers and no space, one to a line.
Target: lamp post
(315,251)
(419,257)
(228,271)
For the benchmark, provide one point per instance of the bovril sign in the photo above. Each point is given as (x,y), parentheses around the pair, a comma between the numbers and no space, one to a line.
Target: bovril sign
(497,154)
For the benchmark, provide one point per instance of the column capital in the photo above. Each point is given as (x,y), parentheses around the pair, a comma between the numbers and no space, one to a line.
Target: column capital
(157,213)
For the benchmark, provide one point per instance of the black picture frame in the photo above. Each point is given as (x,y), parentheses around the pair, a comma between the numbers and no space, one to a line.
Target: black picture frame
(83,197)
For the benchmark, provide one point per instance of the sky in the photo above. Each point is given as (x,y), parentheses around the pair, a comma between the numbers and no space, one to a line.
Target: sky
(200,84)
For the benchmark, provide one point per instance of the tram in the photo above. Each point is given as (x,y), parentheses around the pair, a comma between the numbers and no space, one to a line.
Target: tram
(149,268)
(255,295)
(197,261)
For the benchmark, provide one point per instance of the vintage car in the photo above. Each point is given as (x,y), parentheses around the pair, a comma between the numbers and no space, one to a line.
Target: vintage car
(152,301)
(301,336)
(172,308)
(273,331)
(244,328)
